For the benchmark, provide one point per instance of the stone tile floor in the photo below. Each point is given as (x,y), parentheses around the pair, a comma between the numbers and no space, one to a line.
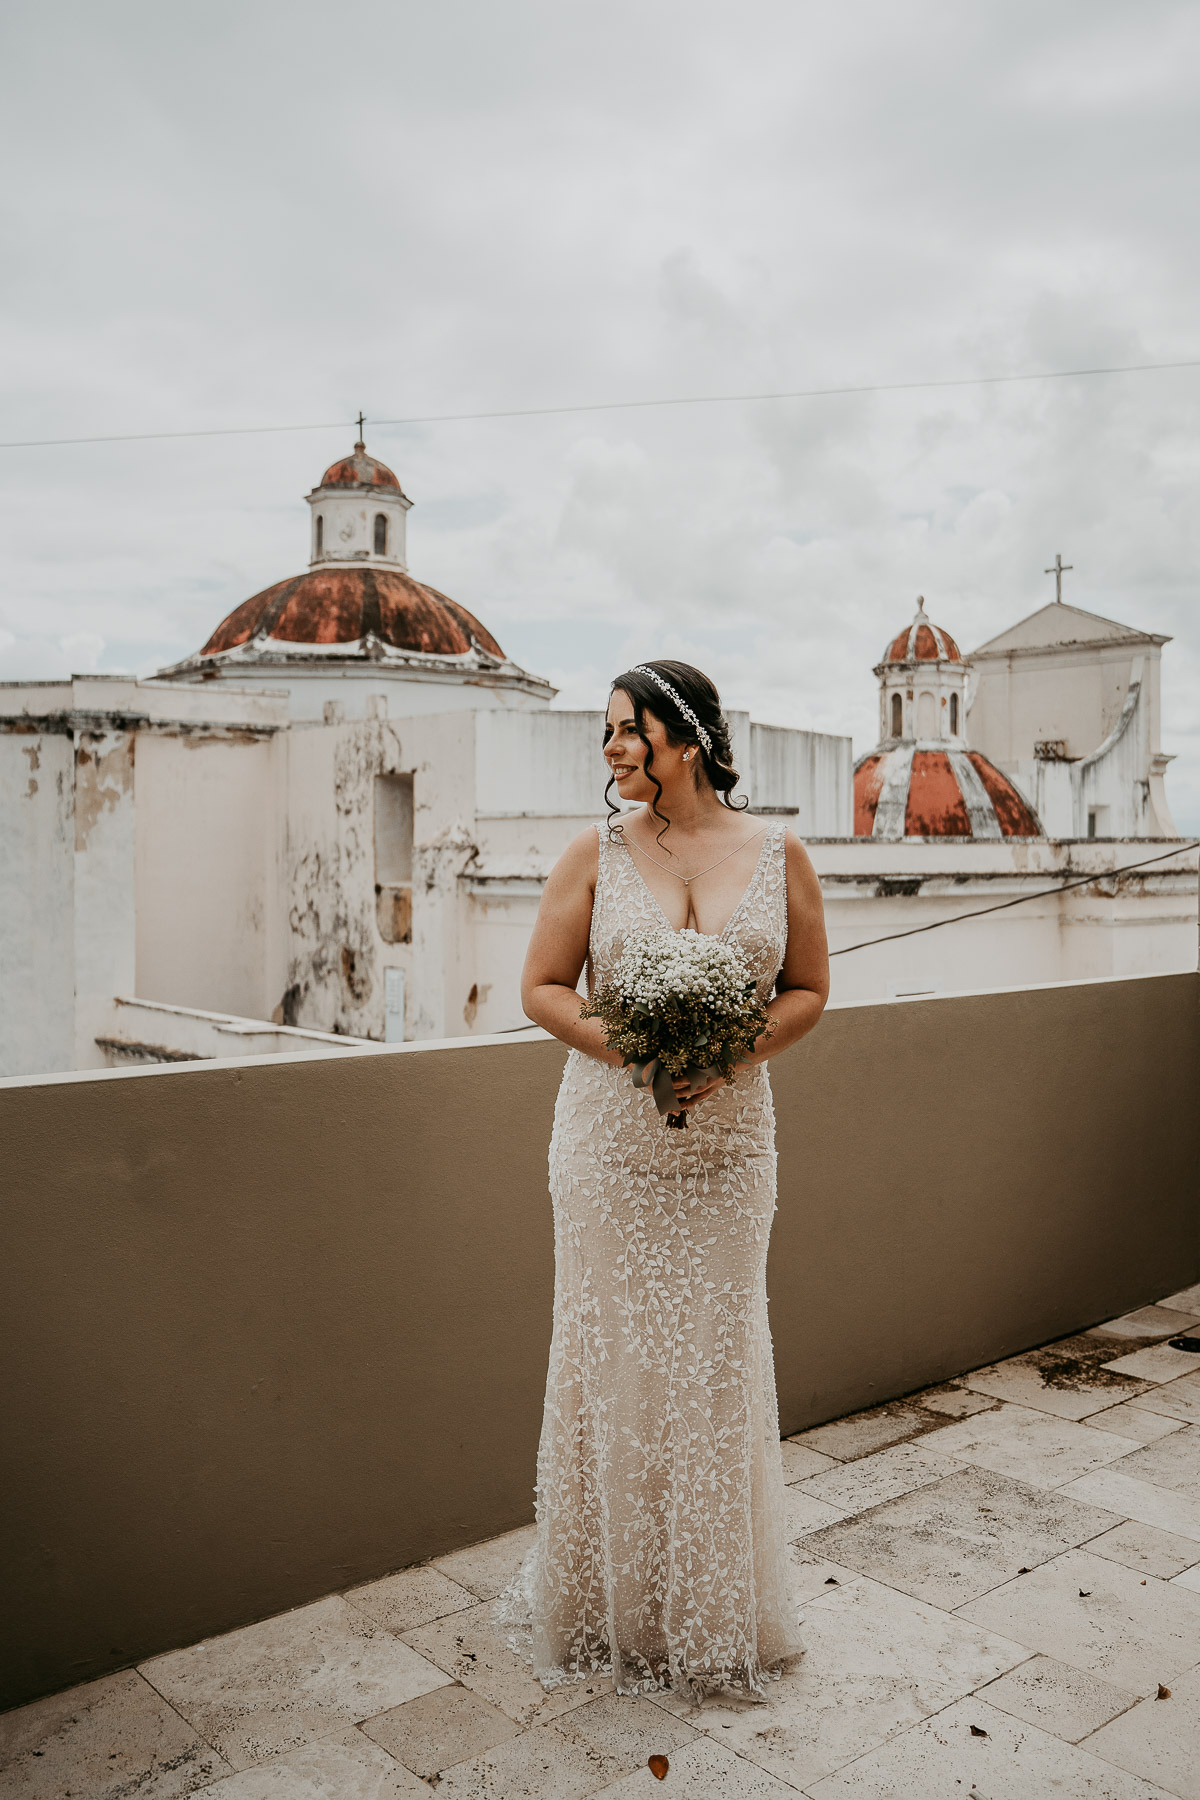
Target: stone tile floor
(999,1583)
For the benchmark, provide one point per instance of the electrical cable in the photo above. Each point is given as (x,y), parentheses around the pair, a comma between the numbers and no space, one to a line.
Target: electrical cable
(979,913)
(545,412)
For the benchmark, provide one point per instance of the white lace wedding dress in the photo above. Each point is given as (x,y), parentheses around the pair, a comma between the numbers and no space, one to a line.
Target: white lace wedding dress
(660,1548)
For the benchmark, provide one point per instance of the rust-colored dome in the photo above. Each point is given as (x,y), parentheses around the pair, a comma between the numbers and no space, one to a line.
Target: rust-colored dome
(922,641)
(343,605)
(908,792)
(359,470)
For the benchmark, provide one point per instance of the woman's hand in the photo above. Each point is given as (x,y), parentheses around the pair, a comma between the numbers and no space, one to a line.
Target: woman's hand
(688,1100)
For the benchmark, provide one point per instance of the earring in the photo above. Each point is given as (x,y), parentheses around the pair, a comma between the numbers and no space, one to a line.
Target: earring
(686,754)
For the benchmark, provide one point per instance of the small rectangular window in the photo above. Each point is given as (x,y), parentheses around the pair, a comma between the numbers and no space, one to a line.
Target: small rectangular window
(1091,824)
(393,829)
(394,857)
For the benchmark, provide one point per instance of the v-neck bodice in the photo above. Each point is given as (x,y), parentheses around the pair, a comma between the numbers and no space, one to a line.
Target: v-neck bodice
(625,905)
(763,848)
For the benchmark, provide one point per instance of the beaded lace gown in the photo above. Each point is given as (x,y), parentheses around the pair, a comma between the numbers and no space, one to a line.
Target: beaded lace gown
(660,1548)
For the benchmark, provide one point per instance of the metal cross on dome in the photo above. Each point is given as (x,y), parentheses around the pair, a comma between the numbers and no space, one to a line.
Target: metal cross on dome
(1058,571)
(361,439)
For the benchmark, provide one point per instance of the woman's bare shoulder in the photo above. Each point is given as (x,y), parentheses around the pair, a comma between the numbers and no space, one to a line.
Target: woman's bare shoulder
(799,863)
(581,858)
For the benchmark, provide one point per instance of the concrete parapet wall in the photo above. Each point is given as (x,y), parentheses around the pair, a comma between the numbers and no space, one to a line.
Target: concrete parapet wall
(280,1326)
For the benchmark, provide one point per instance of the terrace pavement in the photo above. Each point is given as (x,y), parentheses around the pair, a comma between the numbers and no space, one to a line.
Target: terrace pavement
(999,1584)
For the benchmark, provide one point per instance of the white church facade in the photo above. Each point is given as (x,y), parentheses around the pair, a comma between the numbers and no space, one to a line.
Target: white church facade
(1068,704)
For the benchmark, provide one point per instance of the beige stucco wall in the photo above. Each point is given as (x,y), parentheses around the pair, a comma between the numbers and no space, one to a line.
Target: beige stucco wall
(275,1327)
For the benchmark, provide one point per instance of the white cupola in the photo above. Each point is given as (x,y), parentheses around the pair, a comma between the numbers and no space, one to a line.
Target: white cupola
(922,685)
(358,514)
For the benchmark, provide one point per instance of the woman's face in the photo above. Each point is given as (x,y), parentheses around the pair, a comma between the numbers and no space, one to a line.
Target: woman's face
(625,751)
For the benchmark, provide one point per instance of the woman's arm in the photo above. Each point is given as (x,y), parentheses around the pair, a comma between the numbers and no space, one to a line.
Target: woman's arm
(558,950)
(803,985)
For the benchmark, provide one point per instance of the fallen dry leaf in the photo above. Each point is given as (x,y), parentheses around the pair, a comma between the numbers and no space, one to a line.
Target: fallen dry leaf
(658,1766)
(1164,1693)
(1023,1570)
(978,1731)
(1085,1593)
(832,1581)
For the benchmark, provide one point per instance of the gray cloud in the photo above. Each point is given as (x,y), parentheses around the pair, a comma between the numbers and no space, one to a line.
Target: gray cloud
(268,213)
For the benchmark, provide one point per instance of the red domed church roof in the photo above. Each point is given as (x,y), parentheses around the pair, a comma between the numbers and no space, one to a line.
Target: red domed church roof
(346,605)
(922,781)
(356,610)
(922,641)
(934,792)
(358,471)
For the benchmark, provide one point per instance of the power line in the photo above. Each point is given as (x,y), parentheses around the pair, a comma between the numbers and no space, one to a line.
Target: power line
(979,913)
(878,387)
(547,412)
(150,437)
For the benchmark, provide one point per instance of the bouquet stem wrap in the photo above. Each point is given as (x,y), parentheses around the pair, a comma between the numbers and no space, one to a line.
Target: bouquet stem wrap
(650,1073)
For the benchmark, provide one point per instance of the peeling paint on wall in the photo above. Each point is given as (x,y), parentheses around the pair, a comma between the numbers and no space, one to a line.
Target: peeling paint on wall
(334,972)
(103,778)
(475,999)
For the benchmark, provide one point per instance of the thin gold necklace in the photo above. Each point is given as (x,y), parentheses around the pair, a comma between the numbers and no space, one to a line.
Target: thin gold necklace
(687,880)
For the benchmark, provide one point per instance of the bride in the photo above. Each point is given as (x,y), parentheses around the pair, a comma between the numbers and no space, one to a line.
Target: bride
(660,1550)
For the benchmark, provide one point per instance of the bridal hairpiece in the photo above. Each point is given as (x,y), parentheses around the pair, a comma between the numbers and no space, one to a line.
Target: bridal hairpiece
(680,702)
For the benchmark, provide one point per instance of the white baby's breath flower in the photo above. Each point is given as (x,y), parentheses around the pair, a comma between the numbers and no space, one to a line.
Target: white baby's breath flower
(678,966)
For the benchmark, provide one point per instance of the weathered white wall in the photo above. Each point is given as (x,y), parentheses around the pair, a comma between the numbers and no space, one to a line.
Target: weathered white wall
(144,1027)
(1117,790)
(809,770)
(37,887)
(542,764)
(925,691)
(332,980)
(1088,691)
(1074,692)
(219,859)
(500,918)
(207,852)
(1143,923)
(442,754)
(337,961)
(362,693)
(537,764)
(105,895)
(349,526)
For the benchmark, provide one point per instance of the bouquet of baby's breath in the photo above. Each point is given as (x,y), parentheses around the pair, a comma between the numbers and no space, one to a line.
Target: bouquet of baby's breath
(680,1003)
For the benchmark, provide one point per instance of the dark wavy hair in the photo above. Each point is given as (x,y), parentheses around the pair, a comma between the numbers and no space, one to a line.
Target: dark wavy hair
(698,692)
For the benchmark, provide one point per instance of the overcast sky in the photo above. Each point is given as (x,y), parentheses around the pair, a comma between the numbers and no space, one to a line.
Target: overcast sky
(263,213)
